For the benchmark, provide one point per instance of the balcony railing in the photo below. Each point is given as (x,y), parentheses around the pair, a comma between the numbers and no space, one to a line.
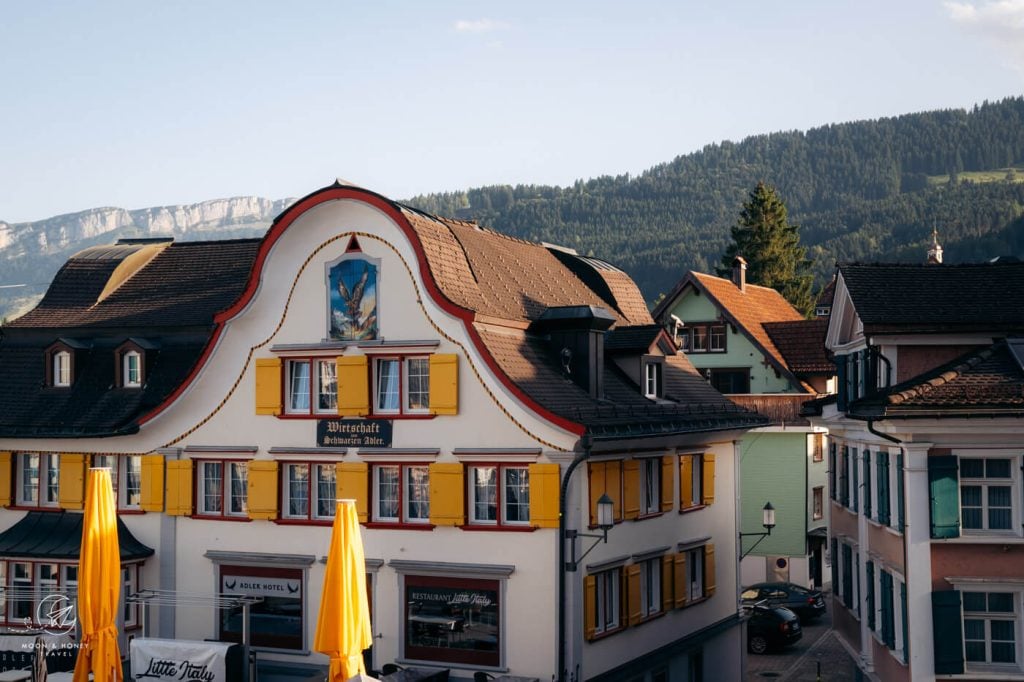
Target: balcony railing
(782,408)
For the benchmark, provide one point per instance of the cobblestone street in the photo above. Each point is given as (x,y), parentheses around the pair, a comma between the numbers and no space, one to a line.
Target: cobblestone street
(819,650)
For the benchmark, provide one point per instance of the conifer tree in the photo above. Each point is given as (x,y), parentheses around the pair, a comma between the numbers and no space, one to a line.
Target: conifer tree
(771,247)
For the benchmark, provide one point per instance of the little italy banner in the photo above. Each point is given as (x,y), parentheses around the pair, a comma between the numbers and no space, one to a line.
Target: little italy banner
(160,660)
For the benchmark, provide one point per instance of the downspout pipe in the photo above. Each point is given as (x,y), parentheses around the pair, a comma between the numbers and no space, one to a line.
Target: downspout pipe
(587,442)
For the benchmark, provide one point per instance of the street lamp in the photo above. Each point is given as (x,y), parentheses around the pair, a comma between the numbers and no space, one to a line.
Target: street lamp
(768,521)
(605,521)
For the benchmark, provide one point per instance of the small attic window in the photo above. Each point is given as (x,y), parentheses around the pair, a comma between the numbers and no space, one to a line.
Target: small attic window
(62,369)
(653,383)
(132,371)
(59,362)
(130,363)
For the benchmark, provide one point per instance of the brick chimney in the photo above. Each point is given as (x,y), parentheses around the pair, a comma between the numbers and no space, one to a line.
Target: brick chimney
(739,273)
(576,339)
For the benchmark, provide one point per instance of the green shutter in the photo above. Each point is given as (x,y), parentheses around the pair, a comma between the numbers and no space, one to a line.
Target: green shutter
(944,494)
(947,633)
(832,491)
(844,481)
(856,577)
(848,576)
(867,483)
(869,575)
(856,480)
(882,471)
(903,613)
(888,619)
(840,361)
(900,513)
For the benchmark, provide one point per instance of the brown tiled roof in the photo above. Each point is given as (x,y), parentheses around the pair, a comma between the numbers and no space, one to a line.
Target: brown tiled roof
(497,275)
(185,285)
(827,294)
(802,345)
(527,361)
(986,380)
(611,284)
(170,301)
(897,298)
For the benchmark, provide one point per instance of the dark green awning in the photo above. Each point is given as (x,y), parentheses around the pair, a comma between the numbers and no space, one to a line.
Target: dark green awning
(58,536)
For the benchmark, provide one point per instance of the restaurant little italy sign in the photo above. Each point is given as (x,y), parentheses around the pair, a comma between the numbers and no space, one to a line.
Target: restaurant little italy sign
(353,433)
(164,660)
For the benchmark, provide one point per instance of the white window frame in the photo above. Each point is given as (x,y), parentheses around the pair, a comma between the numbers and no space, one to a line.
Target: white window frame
(47,468)
(697,481)
(314,472)
(378,374)
(502,487)
(62,369)
(423,375)
(129,583)
(696,585)
(712,348)
(304,394)
(899,647)
(650,587)
(403,502)
(325,369)
(608,600)
(650,485)
(652,372)
(119,465)
(131,369)
(402,398)
(986,482)
(1015,617)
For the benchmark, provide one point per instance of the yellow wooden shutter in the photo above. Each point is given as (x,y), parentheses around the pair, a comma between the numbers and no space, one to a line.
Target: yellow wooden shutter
(353,386)
(268,386)
(668,488)
(589,607)
(596,478)
(631,488)
(545,484)
(709,569)
(71,493)
(179,487)
(666,582)
(151,491)
(633,601)
(444,383)
(263,489)
(685,482)
(709,479)
(613,486)
(447,494)
(681,586)
(354,484)
(6,474)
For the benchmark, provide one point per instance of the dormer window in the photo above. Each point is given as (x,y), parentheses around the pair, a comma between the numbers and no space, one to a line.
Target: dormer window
(652,378)
(62,369)
(130,363)
(132,370)
(59,362)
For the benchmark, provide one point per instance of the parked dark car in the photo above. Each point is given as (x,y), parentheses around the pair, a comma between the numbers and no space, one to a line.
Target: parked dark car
(808,604)
(771,627)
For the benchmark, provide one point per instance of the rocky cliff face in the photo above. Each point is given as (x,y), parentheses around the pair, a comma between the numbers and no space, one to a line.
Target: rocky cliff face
(182,222)
(31,253)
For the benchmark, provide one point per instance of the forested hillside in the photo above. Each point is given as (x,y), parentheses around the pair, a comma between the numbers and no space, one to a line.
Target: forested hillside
(868,190)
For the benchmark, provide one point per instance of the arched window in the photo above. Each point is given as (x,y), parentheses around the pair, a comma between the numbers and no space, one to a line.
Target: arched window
(131,370)
(62,368)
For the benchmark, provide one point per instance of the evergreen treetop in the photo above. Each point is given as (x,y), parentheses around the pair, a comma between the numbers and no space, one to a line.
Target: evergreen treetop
(771,247)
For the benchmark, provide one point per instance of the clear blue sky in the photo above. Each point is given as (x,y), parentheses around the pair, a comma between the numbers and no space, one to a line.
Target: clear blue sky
(138,103)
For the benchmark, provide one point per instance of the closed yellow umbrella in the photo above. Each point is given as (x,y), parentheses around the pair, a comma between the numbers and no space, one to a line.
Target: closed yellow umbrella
(99,583)
(343,627)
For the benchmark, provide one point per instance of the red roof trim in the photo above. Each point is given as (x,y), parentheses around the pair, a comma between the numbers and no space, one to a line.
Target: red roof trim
(337,193)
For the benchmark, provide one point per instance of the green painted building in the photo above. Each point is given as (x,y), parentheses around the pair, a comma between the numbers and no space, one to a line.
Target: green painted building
(753,346)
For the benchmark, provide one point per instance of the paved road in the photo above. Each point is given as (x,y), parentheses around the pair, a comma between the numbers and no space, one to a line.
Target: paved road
(800,662)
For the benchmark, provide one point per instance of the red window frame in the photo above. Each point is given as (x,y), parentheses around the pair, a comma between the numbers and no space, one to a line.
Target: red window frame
(500,521)
(286,388)
(284,495)
(116,477)
(403,411)
(402,522)
(225,493)
(41,484)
